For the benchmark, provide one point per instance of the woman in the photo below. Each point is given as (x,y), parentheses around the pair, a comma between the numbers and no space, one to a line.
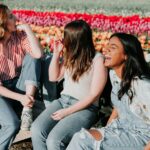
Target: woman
(85,77)
(19,75)
(128,127)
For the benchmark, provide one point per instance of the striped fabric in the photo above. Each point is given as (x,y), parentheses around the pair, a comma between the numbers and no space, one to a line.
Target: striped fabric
(12,55)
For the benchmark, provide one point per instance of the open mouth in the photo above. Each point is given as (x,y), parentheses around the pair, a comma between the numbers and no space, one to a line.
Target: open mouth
(107,58)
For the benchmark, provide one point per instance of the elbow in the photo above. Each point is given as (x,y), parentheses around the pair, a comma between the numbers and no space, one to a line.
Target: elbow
(38,56)
(51,79)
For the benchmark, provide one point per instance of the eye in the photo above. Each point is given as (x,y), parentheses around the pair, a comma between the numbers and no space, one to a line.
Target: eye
(113,47)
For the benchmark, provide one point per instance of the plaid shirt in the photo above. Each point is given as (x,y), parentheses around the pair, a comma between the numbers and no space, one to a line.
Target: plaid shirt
(11,56)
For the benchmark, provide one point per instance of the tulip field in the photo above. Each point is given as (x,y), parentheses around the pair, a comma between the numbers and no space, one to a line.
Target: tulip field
(48,24)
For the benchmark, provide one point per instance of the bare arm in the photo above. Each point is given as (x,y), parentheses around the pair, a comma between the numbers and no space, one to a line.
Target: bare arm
(147,147)
(56,69)
(24,99)
(34,43)
(113,115)
(98,83)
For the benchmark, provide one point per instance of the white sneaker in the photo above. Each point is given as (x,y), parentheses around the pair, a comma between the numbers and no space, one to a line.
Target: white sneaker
(26,120)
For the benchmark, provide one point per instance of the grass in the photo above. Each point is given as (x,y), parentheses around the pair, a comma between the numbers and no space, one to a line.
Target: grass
(119,7)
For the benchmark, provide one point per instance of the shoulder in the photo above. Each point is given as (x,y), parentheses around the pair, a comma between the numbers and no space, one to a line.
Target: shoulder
(98,58)
(98,55)
(98,63)
(141,88)
(141,84)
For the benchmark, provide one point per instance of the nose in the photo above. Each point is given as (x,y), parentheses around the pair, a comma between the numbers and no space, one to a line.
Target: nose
(105,50)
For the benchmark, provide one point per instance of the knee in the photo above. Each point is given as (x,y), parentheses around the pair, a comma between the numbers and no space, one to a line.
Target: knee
(11,128)
(76,137)
(75,142)
(52,143)
(29,60)
(36,130)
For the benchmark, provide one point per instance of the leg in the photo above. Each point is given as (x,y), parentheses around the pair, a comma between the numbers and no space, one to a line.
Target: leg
(30,75)
(43,125)
(122,139)
(9,124)
(81,141)
(49,88)
(66,127)
(28,82)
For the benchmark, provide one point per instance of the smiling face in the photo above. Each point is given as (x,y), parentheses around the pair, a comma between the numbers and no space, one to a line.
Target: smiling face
(114,53)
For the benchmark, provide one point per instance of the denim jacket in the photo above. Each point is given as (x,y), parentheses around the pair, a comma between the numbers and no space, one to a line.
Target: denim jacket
(136,112)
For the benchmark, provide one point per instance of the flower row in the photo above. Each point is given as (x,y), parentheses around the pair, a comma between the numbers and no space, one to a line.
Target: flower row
(129,24)
(46,36)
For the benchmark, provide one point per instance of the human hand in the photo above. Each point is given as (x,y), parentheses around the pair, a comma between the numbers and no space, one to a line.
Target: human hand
(57,47)
(27,100)
(60,114)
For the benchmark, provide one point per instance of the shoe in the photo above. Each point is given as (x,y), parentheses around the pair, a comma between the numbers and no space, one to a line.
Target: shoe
(26,120)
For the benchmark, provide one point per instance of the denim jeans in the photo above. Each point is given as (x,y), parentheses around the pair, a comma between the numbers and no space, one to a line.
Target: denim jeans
(127,132)
(48,134)
(51,90)
(9,121)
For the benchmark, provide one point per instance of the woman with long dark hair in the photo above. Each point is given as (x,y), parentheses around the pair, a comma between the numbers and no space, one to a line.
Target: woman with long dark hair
(128,127)
(84,80)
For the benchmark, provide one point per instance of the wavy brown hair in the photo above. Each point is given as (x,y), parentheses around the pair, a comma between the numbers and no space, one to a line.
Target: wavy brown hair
(79,47)
(3,19)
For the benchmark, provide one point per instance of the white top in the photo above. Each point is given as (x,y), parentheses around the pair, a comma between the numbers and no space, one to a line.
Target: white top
(80,89)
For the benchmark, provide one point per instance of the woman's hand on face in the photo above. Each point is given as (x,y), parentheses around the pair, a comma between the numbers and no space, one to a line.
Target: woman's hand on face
(27,100)
(58,47)
(60,114)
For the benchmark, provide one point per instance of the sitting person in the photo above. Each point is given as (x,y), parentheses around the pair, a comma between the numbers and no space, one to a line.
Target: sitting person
(84,80)
(19,75)
(128,127)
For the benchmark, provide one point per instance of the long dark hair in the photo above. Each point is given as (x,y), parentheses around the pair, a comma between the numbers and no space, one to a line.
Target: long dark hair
(135,65)
(79,48)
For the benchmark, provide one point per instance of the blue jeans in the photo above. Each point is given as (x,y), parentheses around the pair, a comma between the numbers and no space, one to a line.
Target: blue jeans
(51,90)
(50,134)
(9,121)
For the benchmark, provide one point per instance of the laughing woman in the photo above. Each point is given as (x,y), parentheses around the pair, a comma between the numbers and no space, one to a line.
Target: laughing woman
(85,77)
(19,75)
(129,125)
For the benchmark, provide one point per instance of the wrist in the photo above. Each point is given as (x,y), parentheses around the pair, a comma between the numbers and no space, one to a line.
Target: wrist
(56,55)
(19,97)
(68,111)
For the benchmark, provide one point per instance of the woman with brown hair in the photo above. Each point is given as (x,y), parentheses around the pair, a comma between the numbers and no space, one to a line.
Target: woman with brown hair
(19,75)
(84,80)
